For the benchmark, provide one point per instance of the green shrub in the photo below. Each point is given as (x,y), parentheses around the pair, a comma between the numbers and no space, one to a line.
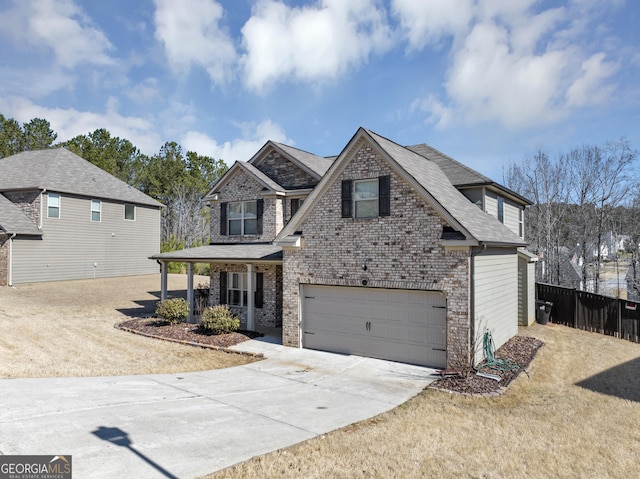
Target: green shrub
(219,319)
(173,311)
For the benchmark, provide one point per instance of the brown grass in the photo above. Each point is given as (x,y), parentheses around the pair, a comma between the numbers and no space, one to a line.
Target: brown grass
(67,329)
(577,416)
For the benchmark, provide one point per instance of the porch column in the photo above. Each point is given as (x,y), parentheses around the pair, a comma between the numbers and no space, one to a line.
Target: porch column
(163,280)
(190,290)
(250,297)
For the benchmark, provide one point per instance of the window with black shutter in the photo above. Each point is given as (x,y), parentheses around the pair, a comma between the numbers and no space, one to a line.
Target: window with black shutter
(223,287)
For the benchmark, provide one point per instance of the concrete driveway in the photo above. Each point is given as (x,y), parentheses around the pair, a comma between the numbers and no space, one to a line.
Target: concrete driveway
(188,425)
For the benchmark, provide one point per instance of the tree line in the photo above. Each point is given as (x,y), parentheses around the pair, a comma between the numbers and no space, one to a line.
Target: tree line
(582,199)
(178,179)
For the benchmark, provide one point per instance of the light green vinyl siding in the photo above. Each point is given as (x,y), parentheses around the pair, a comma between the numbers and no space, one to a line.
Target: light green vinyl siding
(496,296)
(72,244)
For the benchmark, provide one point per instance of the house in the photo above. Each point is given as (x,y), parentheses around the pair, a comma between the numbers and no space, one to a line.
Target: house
(63,218)
(393,252)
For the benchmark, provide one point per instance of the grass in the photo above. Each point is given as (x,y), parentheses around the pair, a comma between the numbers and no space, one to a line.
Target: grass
(67,329)
(577,416)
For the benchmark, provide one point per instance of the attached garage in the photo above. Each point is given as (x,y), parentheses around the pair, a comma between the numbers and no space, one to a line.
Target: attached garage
(395,324)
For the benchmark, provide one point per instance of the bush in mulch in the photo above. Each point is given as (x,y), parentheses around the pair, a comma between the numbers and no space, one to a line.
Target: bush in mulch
(518,351)
(186,332)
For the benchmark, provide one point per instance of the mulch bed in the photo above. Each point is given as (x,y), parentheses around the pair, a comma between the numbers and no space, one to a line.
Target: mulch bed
(186,333)
(519,351)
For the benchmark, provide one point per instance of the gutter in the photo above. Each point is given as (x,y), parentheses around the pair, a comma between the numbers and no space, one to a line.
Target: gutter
(11,258)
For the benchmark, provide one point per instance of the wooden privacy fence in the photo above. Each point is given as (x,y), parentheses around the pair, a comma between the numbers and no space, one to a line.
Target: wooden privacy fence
(592,312)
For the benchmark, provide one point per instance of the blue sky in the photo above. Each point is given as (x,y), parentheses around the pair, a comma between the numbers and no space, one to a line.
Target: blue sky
(486,82)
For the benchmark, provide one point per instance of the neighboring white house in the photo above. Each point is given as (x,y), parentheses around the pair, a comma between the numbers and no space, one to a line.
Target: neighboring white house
(63,218)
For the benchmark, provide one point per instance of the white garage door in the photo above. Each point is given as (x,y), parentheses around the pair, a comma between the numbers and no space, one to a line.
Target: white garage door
(395,324)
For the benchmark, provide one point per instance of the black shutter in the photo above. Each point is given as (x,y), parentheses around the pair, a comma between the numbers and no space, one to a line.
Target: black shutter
(223,219)
(384,196)
(223,287)
(259,211)
(346,198)
(295,204)
(259,296)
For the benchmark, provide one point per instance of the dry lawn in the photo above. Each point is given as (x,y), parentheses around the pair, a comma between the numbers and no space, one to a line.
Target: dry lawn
(577,416)
(67,329)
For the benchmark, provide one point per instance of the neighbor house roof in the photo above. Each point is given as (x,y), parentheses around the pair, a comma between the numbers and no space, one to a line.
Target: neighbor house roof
(225,253)
(61,171)
(428,179)
(461,175)
(13,220)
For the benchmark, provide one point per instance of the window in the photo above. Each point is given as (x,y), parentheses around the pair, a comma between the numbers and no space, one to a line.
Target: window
(520,223)
(242,218)
(365,198)
(234,289)
(237,291)
(500,209)
(130,212)
(53,205)
(96,208)
(296,203)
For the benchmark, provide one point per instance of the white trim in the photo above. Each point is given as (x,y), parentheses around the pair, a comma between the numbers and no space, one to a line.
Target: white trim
(250,293)
(11,259)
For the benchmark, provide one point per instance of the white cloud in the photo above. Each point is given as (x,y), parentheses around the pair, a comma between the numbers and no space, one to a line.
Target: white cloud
(145,91)
(517,66)
(311,43)
(588,89)
(58,25)
(191,33)
(428,22)
(254,136)
(68,123)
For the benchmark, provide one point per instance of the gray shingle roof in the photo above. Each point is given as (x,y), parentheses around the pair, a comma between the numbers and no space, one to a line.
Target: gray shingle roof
(228,252)
(62,171)
(315,163)
(484,228)
(13,220)
(457,173)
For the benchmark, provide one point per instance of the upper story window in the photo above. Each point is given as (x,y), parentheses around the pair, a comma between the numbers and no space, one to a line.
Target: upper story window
(241,218)
(368,198)
(96,210)
(500,209)
(520,223)
(53,205)
(130,212)
(365,198)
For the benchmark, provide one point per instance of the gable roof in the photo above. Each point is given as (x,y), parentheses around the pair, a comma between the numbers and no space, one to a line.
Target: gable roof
(13,220)
(242,166)
(317,164)
(461,175)
(428,180)
(61,171)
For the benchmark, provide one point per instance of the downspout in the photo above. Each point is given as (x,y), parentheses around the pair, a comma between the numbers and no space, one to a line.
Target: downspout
(11,258)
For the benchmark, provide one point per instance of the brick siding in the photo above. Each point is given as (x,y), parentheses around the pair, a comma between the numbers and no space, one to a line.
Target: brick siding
(401,251)
(243,187)
(28,202)
(271,312)
(285,173)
